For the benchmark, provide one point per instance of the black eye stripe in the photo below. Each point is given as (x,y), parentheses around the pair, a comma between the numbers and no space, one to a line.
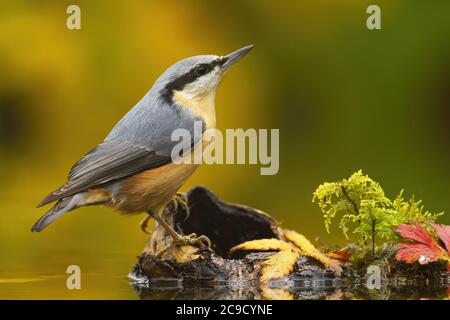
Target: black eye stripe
(201,69)
(189,77)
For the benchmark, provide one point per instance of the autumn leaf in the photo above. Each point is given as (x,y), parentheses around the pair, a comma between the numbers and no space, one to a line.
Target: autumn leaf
(277,266)
(423,248)
(443,233)
(343,254)
(283,262)
(308,249)
(261,245)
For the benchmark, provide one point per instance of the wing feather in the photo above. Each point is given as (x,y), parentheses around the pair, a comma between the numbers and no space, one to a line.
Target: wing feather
(109,161)
(140,141)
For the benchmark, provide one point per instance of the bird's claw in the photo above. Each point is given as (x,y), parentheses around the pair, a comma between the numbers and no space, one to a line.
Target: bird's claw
(193,240)
(144,224)
(182,199)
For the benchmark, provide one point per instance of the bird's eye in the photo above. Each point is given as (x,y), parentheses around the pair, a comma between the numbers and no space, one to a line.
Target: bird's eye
(201,70)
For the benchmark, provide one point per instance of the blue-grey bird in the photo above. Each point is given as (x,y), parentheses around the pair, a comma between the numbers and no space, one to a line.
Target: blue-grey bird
(132,169)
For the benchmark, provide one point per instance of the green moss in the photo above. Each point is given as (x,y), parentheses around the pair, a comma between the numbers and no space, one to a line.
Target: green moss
(365,210)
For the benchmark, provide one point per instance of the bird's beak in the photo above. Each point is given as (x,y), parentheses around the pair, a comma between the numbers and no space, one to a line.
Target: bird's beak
(235,56)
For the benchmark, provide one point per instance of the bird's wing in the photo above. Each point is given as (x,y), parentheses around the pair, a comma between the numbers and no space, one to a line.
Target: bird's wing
(109,161)
(113,160)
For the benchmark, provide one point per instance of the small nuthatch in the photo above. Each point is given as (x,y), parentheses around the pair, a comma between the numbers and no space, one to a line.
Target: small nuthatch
(132,169)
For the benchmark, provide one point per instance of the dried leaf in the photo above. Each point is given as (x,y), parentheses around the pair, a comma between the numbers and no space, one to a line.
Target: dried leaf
(308,249)
(262,245)
(423,248)
(343,254)
(282,263)
(279,265)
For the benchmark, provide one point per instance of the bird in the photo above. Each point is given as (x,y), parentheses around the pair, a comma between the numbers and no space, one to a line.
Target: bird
(132,169)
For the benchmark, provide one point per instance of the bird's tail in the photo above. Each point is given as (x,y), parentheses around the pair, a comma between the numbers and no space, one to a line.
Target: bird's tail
(61,207)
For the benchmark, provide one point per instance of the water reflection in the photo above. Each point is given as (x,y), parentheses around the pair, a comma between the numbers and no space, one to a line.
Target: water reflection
(296,290)
(224,293)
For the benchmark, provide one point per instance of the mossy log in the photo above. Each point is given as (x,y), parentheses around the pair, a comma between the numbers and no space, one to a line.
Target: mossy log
(251,257)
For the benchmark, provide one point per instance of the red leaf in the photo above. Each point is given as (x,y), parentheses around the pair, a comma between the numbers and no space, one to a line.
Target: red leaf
(443,233)
(416,252)
(424,248)
(417,233)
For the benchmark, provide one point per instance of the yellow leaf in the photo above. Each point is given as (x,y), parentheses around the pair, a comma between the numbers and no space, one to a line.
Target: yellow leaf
(279,265)
(308,249)
(262,245)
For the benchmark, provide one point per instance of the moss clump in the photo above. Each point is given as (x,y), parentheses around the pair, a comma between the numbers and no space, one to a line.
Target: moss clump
(365,210)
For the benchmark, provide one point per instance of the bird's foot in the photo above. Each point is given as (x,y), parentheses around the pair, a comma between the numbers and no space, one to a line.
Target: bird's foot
(180,198)
(144,224)
(193,240)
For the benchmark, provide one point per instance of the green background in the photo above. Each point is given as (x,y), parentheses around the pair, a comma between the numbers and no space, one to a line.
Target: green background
(344,98)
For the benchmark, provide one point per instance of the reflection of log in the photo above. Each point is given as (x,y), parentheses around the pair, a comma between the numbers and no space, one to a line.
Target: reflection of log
(226,225)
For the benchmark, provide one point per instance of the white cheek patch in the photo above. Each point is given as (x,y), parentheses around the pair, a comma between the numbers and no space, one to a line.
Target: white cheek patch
(204,85)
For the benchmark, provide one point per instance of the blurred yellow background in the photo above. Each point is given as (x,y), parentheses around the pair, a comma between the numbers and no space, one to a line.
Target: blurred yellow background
(344,98)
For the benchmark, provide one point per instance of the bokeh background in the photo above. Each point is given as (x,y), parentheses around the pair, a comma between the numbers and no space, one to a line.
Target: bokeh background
(344,98)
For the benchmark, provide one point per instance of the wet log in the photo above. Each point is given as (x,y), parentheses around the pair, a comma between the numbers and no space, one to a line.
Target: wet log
(163,265)
(165,270)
